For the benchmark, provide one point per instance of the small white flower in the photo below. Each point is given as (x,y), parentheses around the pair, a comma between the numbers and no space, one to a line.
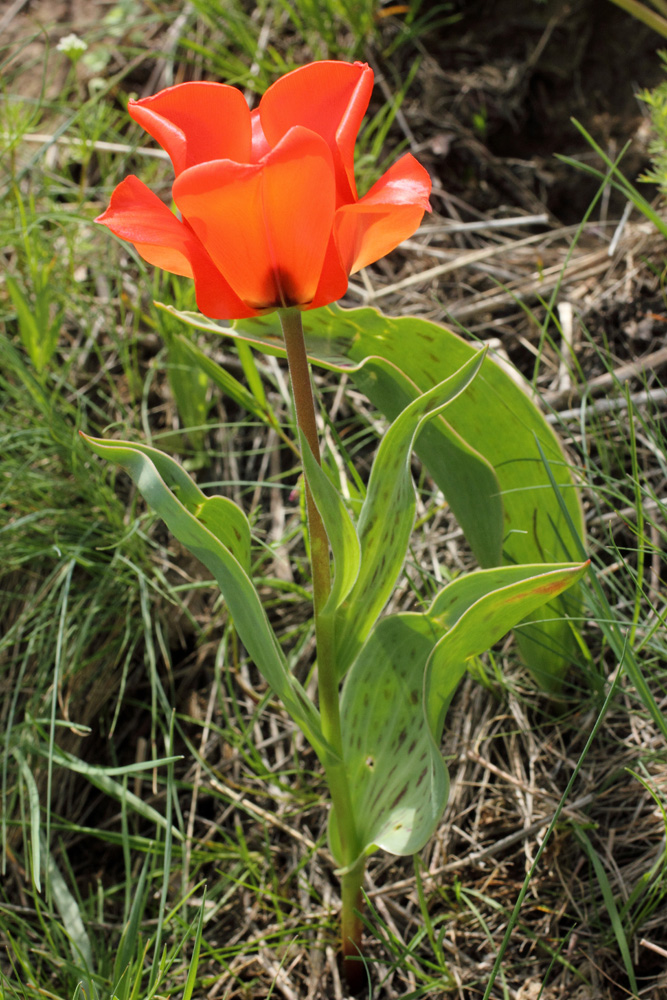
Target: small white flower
(72,46)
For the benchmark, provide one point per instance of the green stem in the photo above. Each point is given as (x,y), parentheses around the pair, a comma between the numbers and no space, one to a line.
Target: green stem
(327,674)
(304,404)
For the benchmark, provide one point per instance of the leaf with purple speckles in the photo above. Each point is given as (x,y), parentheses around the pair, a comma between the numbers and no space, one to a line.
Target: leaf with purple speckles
(478,610)
(398,779)
(339,528)
(387,515)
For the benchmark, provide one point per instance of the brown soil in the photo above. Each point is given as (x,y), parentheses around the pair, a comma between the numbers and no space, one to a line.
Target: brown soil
(505,83)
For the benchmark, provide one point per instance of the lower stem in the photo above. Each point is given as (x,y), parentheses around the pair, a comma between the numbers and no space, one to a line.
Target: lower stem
(352,926)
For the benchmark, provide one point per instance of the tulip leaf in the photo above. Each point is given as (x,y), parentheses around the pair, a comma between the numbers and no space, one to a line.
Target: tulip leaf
(398,690)
(397,777)
(387,515)
(218,534)
(485,457)
(339,527)
(228,524)
(479,609)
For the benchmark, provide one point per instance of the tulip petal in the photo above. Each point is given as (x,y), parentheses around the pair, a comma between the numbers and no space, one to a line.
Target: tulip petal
(333,280)
(329,98)
(196,122)
(266,226)
(137,215)
(383,218)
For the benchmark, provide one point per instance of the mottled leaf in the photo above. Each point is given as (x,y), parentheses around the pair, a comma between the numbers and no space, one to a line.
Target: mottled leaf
(398,780)
(339,528)
(477,611)
(397,692)
(387,515)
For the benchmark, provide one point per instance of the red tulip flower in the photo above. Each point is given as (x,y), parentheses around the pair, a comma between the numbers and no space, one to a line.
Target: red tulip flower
(270,217)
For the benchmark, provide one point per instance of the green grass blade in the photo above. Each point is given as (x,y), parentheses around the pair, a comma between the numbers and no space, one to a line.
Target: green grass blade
(128,946)
(35,822)
(194,960)
(70,914)
(610,904)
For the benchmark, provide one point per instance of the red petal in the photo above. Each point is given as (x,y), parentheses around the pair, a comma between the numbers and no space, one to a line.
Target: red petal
(137,215)
(383,218)
(333,280)
(196,122)
(329,98)
(266,226)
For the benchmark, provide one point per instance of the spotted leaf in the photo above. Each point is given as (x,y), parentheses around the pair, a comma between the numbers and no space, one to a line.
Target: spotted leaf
(397,777)
(387,515)
(339,528)
(476,611)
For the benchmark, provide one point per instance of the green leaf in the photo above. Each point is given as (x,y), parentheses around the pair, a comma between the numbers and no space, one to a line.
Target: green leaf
(339,528)
(398,780)
(229,525)
(477,611)
(35,825)
(484,457)
(398,690)
(183,507)
(387,515)
(70,914)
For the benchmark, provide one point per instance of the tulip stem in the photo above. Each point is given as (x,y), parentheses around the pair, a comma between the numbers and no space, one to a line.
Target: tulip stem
(354,969)
(327,674)
(304,405)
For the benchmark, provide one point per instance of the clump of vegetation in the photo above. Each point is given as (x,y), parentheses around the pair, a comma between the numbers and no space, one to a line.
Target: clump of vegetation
(656,100)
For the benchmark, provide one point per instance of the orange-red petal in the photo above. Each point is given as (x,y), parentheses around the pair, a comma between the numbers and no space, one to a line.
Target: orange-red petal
(266,226)
(329,98)
(333,279)
(196,122)
(137,215)
(390,212)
